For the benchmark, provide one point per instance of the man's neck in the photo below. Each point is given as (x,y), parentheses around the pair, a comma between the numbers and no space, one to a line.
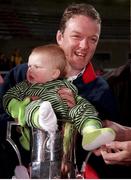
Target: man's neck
(72,72)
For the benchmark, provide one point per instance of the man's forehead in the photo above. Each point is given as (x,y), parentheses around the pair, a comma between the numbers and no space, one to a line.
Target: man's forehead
(83,24)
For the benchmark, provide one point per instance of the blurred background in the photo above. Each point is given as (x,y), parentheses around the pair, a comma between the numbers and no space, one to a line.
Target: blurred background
(28,23)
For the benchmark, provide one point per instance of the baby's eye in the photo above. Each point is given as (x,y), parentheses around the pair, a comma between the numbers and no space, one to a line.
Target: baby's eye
(33,66)
(36,66)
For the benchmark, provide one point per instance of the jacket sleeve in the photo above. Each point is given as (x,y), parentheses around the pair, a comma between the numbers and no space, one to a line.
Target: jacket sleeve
(15,75)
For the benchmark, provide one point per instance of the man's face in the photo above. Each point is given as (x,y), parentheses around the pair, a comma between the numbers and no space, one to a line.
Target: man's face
(79,40)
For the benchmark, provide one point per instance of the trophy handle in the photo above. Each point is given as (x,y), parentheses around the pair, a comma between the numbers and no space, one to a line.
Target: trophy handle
(12,143)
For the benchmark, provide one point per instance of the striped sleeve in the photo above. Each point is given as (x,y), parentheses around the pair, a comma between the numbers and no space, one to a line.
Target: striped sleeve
(16,92)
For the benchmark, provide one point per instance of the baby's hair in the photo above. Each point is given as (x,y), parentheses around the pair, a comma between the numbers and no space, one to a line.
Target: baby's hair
(55,54)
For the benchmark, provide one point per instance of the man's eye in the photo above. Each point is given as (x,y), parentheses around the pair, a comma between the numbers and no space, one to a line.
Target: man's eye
(93,40)
(76,37)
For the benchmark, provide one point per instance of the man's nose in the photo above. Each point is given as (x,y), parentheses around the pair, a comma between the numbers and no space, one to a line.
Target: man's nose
(84,44)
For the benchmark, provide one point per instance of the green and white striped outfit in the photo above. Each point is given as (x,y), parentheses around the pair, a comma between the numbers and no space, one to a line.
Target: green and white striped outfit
(79,114)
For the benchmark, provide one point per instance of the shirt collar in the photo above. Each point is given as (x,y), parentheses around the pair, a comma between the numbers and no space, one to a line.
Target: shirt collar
(88,74)
(72,78)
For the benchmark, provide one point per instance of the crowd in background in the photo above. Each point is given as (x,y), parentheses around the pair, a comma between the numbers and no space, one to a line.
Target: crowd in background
(8,62)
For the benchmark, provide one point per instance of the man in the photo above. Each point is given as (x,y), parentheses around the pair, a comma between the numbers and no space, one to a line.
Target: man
(78,36)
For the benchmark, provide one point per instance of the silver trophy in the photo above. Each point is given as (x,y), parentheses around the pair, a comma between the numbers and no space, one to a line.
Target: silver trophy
(51,158)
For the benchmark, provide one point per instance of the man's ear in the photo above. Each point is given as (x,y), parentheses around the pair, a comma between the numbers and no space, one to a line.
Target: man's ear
(59,37)
(56,74)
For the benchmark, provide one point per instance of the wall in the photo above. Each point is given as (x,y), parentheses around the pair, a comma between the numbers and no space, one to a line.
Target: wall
(118,50)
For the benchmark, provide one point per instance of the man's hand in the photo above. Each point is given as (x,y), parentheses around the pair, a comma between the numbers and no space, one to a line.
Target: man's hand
(67,95)
(123,133)
(117,153)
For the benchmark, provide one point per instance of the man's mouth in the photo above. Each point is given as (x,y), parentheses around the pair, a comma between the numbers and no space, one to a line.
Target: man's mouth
(80,54)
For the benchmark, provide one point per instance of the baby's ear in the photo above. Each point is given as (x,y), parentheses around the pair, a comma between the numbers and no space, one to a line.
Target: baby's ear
(56,74)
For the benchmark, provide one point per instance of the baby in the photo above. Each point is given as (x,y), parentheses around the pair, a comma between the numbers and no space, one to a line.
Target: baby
(35,102)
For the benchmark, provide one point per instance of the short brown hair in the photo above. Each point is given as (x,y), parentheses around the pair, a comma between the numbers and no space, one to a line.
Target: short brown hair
(78,9)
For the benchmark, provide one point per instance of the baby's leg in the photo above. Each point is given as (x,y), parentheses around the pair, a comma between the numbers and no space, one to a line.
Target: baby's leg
(47,117)
(94,135)
(41,115)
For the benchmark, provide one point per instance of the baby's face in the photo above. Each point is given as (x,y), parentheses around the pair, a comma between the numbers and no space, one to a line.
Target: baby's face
(40,70)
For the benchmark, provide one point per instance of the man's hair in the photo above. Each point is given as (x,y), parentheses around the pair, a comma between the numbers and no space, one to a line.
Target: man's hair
(56,55)
(78,9)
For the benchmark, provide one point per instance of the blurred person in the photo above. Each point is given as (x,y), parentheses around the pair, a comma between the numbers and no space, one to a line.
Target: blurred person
(16,57)
(4,62)
(119,81)
(1,79)
(118,152)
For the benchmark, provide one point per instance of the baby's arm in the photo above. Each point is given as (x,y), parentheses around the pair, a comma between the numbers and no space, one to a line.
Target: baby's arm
(17,92)
(13,103)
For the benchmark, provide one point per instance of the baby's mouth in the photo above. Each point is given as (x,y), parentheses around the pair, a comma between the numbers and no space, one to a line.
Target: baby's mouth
(30,78)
